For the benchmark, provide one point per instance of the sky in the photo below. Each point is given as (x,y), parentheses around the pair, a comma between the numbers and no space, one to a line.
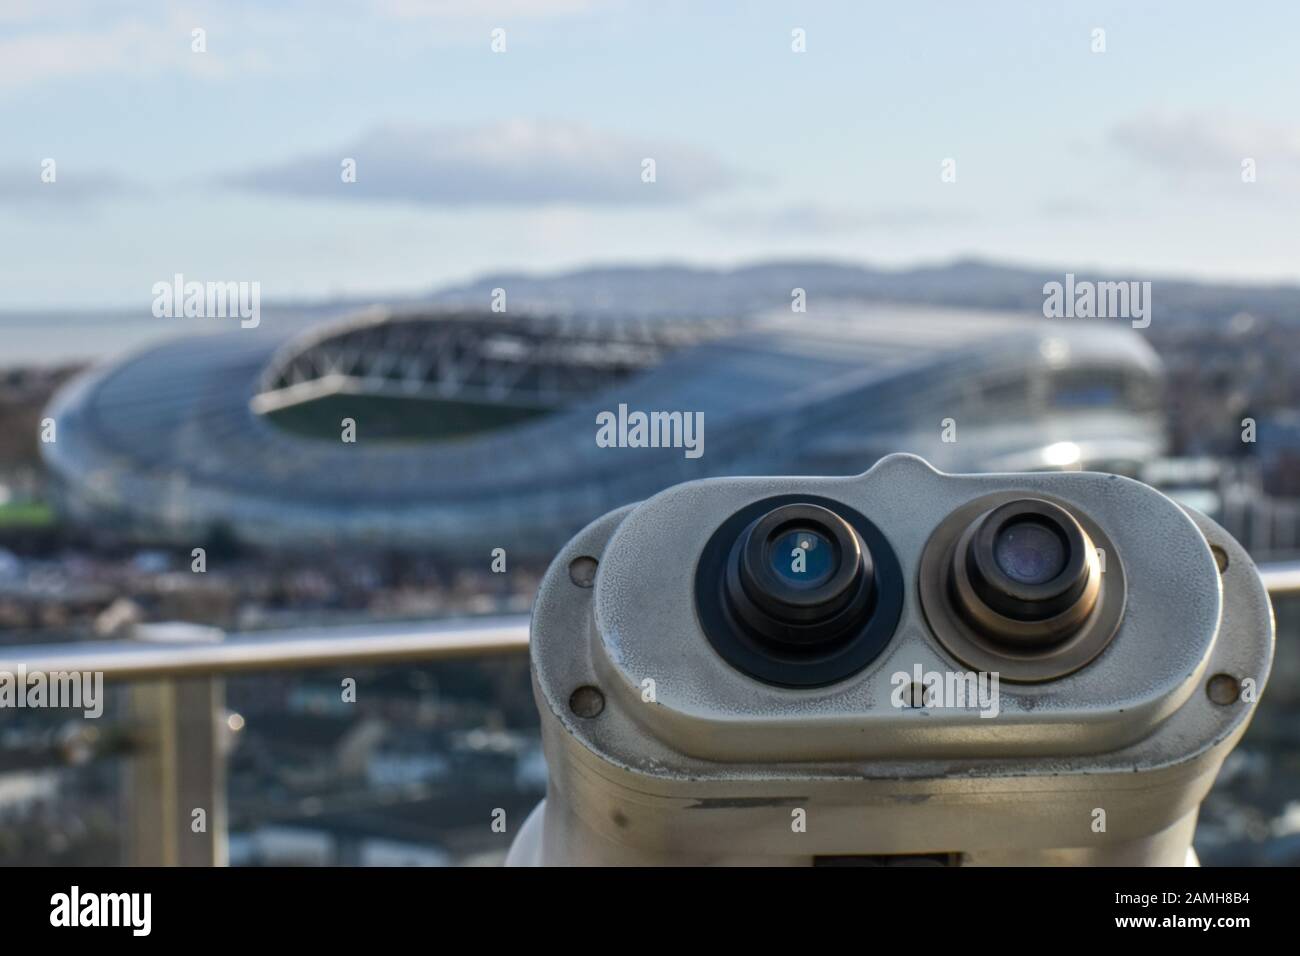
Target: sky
(227,164)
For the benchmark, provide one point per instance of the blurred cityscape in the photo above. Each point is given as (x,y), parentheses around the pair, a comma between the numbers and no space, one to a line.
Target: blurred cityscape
(401,777)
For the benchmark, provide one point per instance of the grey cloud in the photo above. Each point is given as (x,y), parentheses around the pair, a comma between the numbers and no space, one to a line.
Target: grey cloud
(21,186)
(511,163)
(1194,143)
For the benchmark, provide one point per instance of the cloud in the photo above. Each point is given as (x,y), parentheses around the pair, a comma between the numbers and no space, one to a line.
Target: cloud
(138,45)
(520,163)
(1201,142)
(812,218)
(43,41)
(77,39)
(499,9)
(30,58)
(22,187)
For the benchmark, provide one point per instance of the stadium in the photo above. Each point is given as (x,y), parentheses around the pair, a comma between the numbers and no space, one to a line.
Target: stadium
(472,431)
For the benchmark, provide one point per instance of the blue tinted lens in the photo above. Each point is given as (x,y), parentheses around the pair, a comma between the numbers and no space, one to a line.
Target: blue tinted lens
(802,558)
(1030,552)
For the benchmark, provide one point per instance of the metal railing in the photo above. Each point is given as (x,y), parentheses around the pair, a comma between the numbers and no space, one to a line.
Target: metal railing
(1281,578)
(176,727)
(176,707)
(201,656)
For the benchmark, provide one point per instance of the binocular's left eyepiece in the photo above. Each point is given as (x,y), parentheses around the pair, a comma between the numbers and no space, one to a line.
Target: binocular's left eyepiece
(798,592)
(800,576)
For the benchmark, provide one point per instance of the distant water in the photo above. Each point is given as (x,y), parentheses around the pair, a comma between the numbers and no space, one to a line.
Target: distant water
(57,338)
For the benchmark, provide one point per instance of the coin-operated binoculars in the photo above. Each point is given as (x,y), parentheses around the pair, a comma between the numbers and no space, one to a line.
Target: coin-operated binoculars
(898,667)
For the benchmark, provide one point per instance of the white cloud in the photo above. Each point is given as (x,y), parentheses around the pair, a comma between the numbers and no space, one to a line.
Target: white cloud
(46,49)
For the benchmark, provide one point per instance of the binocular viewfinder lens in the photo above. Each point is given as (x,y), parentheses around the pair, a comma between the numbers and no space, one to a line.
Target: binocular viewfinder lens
(1030,551)
(790,591)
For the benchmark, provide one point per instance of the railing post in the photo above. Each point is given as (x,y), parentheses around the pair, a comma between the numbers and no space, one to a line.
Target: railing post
(179,769)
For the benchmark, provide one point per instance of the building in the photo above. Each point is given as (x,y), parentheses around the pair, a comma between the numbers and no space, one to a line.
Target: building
(474,431)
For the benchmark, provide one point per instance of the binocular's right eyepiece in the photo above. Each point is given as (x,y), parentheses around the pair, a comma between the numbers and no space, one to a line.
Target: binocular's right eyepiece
(1015,585)
(1021,574)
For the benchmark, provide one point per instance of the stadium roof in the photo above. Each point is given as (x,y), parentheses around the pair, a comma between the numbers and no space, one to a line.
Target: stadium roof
(185,437)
